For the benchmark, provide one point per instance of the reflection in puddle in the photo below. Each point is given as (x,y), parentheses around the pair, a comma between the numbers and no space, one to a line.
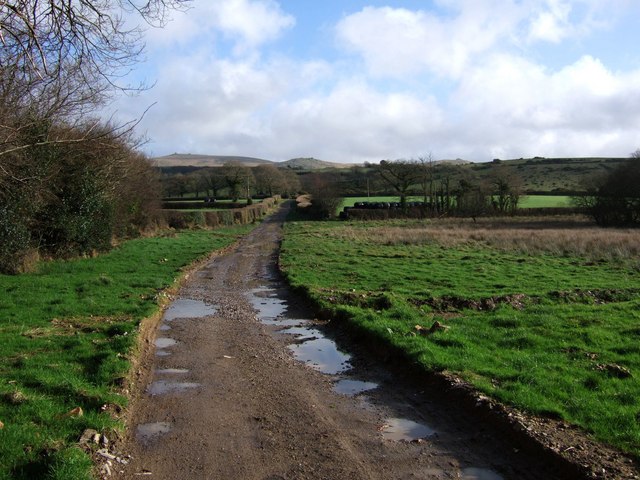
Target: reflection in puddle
(322,354)
(266,302)
(172,371)
(164,327)
(292,322)
(303,332)
(398,429)
(480,474)
(187,308)
(163,342)
(147,431)
(353,387)
(162,387)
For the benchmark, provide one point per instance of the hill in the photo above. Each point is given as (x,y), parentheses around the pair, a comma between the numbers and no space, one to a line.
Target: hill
(193,160)
(307,164)
(558,175)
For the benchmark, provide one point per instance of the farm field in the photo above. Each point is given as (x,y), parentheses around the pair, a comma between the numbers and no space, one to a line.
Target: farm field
(541,314)
(66,332)
(527,201)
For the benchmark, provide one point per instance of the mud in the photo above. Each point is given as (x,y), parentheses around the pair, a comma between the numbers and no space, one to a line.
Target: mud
(237,396)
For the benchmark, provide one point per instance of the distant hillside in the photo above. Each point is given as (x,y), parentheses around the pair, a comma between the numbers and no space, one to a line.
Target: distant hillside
(311,164)
(457,161)
(559,175)
(192,160)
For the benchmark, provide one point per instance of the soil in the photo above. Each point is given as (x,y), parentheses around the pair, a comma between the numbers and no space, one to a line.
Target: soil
(220,395)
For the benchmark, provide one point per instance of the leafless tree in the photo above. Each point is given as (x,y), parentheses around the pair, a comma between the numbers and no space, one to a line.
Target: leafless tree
(237,177)
(401,175)
(59,59)
(269,179)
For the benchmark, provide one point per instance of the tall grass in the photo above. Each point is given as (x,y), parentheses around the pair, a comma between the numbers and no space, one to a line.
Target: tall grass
(529,236)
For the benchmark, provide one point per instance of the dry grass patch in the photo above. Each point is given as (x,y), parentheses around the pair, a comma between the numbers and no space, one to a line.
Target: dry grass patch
(529,236)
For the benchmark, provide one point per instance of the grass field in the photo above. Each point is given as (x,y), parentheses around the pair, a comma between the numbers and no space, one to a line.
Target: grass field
(66,333)
(528,201)
(541,315)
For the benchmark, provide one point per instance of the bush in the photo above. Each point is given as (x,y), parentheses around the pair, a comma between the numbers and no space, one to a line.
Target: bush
(15,239)
(615,200)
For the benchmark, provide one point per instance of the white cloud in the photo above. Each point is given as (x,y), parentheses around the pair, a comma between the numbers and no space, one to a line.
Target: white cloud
(354,122)
(523,109)
(494,95)
(397,42)
(254,22)
(248,23)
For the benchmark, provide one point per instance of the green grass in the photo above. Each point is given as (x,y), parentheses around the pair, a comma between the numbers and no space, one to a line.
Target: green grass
(554,349)
(66,333)
(527,201)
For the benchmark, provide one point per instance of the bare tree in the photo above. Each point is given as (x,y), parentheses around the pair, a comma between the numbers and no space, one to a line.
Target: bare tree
(59,59)
(507,188)
(237,177)
(269,179)
(427,178)
(401,175)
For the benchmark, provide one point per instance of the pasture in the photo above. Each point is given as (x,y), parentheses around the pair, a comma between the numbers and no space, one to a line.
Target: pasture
(67,332)
(539,313)
(526,201)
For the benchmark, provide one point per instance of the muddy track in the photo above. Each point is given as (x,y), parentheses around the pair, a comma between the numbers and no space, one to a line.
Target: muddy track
(225,397)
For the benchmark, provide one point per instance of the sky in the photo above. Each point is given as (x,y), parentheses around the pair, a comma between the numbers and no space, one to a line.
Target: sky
(353,81)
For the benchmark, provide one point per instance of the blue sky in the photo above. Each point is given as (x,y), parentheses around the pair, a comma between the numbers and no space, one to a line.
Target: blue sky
(354,81)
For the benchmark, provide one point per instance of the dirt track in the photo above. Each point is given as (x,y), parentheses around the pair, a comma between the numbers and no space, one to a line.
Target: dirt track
(228,400)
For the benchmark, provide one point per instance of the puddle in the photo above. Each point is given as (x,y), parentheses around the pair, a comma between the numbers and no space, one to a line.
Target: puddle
(164,342)
(353,387)
(162,353)
(398,429)
(162,387)
(322,354)
(187,308)
(286,323)
(480,474)
(303,332)
(266,302)
(172,371)
(148,431)
(164,327)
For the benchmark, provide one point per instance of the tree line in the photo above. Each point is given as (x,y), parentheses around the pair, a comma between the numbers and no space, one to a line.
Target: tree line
(232,180)
(445,189)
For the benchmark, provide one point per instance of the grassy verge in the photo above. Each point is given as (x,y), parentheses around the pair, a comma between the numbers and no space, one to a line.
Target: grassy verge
(539,316)
(66,332)
(528,201)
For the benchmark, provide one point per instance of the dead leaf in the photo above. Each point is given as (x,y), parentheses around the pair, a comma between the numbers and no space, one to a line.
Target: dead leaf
(76,412)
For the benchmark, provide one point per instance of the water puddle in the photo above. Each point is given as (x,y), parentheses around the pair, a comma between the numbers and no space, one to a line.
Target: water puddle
(164,342)
(162,353)
(187,308)
(266,302)
(164,327)
(285,323)
(322,354)
(148,431)
(399,429)
(352,388)
(480,474)
(172,371)
(303,333)
(163,387)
